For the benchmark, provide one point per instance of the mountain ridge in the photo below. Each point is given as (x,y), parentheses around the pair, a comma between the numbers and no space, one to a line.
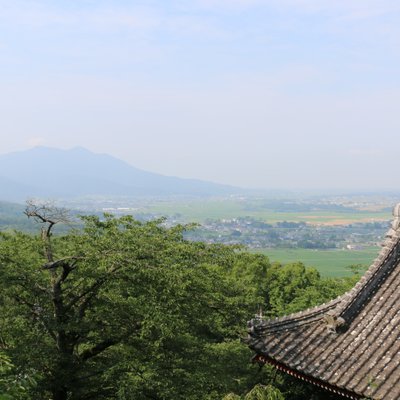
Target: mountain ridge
(76,172)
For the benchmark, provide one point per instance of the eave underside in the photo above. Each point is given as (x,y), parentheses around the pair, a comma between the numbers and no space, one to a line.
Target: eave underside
(262,360)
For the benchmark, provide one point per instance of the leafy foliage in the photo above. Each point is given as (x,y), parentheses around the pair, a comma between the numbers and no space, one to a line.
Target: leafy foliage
(259,392)
(293,287)
(123,309)
(128,308)
(13,386)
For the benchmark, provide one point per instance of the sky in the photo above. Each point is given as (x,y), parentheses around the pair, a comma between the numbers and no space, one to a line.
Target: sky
(294,94)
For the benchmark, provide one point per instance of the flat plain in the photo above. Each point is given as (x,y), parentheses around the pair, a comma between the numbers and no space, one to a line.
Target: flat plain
(199,211)
(330,263)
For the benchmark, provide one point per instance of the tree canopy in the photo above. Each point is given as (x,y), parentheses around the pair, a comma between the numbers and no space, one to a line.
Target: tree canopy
(123,309)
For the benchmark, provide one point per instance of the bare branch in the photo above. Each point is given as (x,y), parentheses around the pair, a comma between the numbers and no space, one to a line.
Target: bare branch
(46,212)
(48,215)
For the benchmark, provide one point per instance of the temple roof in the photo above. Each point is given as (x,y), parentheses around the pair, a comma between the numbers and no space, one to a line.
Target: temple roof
(350,345)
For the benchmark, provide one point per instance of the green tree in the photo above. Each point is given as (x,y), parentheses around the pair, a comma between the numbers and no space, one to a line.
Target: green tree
(293,287)
(13,386)
(123,309)
(259,392)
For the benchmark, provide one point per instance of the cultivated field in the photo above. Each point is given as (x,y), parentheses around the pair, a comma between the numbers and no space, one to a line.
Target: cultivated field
(330,263)
(199,211)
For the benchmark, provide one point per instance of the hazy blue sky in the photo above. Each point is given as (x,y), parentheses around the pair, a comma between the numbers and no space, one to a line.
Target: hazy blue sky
(257,93)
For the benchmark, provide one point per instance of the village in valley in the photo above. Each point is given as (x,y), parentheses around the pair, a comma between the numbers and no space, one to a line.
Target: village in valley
(329,232)
(346,222)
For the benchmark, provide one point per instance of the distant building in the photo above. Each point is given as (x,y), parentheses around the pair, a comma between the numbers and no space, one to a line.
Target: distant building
(354,247)
(351,345)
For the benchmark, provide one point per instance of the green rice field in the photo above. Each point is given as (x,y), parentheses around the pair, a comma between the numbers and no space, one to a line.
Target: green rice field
(330,263)
(199,211)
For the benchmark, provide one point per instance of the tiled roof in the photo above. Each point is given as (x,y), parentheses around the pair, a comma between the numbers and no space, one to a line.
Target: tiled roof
(350,345)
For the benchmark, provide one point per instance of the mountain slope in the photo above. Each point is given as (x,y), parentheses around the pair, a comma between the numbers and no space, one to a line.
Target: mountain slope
(49,172)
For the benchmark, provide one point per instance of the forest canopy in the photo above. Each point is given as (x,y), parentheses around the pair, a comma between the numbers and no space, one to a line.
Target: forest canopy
(123,309)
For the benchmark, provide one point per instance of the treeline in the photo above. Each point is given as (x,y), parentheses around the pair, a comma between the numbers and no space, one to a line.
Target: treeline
(123,309)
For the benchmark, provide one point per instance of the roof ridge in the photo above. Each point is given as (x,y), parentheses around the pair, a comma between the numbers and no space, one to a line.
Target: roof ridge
(262,326)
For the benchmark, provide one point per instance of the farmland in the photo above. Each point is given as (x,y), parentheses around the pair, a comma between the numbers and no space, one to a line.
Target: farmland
(330,263)
(199,211)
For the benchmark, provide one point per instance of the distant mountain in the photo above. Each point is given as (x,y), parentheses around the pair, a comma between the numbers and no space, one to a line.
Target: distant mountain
(47,172)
